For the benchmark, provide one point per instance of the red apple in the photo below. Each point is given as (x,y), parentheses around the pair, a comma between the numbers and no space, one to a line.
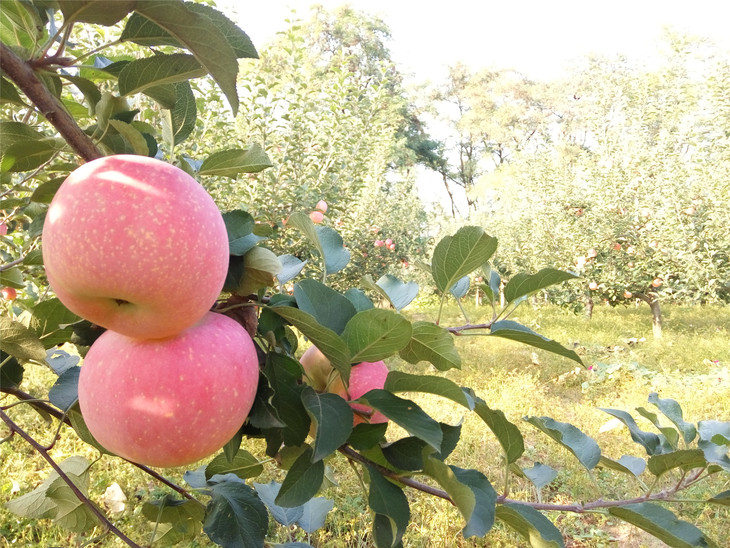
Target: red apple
(317,217)
(169,402)
(379,243)
(135,245)
(322,206)
(3,228)
(593,286)
(364,377)
(592,253)
(9,293)
(388,242)
(317,368)
(627,294)
(657,282)
(391,246)
(617,246)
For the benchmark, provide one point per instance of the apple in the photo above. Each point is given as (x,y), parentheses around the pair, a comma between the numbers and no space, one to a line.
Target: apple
(317,217)
(3,228)
(9,293)
(617,246)
(364,377)
(317,368)
(592,253)
(388,242)
(391,247)
(627,294)
(135,245)
(169,402)
(657,282)
(379,243)
(593,286)
(322,206)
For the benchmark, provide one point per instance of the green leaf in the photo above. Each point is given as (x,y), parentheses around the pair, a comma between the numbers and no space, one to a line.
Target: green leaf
(132,136)
(433,344)
(663,524)
(11,372)
(397,381)
(141,74)
(531,524)
(648,440)
(45,192)
(584,448)
(460,288)
(398,293)
(51,320)
(523,284)
(407,414)
(291,266)
(375,334)
(286,516)
(16,132)
(458,255)
(260,267)
(65,391)
(182,517)
(71,513)
(202,38)
(507,329)
(12,277)
(686,459)
(314,513)
(359,300)
(626,464)
(671,435)
(389,502)
(540,474)
(481,520)
(302,481)
(284,375)
(240,227)
(96,11)
(364,436)
(232,162)
(329,307)
(244,465)
(336,255)
(82,431)
(20,25)
(721,498)
(8,93)
(235,516)
(20,342)
(508,435)
(29,155)
(182,115)
(87,88)
(672,410)
(332,417)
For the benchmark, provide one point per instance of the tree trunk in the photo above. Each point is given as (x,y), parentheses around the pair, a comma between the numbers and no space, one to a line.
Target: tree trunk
(652,299)
(589,307)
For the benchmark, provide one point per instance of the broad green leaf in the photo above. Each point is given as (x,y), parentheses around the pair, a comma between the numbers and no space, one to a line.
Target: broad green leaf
(135,139)
(183,113)
(71,513)
(508,435)
(291,266)
(359,300)
(710,428)
(670,434)
(20,25)
(397,381)
(12,277)
(626,464)
(233,162)
(284,375)
(260,267)
(236,516)
(45,192)
(29,155)
(11,372)
(178,520)
(389,502)
(364,436)
(302,481)
(375,334)
(202,38)
(65,391)
(87,88)
(584,448)
(663,524)
(672,410)
(331,345)
(336,255)
(460,288)
(407,414)
(648,440)
(20,342)
(286,516)
(686,459)
(314,513)
(329,307)
(721,498)
(398,293)
(407,453)
(96,11)
(10,95)
(485,498)
(507,329)
(16,132)
(540,474)
(523,284)
(332,417)
(458,255)
(240,228)
(232,446)
(82,431)
(433,344)
(462,496)
(243,464)
(531,524)
(141,74)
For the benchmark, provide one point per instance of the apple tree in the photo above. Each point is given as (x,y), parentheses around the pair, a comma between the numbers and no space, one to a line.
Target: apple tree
(127,101)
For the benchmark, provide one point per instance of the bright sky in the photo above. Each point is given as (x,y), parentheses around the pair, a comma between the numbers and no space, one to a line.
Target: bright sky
(536,37)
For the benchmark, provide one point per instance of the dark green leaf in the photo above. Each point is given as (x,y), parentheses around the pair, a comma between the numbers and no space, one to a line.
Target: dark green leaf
(332,417)
(314,513)
(398,293)
(458,255)
(672,410)
(65,391)
(330,308)
(96,11)
(20,341)
(531,524)
(302,481)
(291,266)
(45,192)
(398,381)
(359,300)
(648,440)
(626,464)
(508,435)
(87,88)
(29,155)
(481,519)
(244,465)
(8,94)
(540,474)
(514,331)
(721,498)
(388,501)
(51,320)
(268,492)
(375,334)
(584,448)
(663,524)
(232,162)
(82,431)
(364,436)
(686,459)
(336,255)
(141,74)
(523,284)
(11,372)
(235,517)
(284,375)
(240,227)
(177,520)
(183,114)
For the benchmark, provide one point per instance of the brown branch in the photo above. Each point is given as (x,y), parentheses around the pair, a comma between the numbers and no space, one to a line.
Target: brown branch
(83,498)
(26,79)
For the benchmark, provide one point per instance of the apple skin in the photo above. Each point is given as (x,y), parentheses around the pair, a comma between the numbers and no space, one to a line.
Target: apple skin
(317,217)
(322,206)
(169,402)
(9,293)
(364,377)
(317,368)
(135,245)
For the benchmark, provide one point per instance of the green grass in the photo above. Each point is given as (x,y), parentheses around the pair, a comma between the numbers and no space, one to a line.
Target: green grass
(690,364)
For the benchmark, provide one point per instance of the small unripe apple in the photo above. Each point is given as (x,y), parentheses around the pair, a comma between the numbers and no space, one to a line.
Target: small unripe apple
(169,402)
(322,206)
(135,245)
(317,217)
(9,293)
(317,368)
(364,377)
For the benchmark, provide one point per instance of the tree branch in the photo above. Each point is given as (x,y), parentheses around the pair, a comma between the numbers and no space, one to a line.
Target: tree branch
(26,79)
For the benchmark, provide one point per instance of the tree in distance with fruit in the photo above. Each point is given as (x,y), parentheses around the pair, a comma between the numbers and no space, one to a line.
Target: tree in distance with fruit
(172,334)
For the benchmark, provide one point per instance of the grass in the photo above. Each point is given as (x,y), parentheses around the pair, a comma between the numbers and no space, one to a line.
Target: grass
(624,364)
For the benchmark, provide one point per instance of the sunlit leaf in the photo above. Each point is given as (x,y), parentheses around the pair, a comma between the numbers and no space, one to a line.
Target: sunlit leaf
(375,334)
(458,255)
(584,448)
(433,344)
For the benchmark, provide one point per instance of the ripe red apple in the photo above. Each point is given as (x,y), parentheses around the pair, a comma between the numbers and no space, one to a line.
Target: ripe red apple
(3,228)
(617,246)
(627,294)
(592,253)
(391,247)
(657,282)
(317,217)
(169,402)
(379,243)
(322,206)
(364,377)
(317,368)
(135,245)
(9,293)
(388,242)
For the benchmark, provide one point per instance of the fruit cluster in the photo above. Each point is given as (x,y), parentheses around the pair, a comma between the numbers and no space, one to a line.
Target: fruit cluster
(137,246)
